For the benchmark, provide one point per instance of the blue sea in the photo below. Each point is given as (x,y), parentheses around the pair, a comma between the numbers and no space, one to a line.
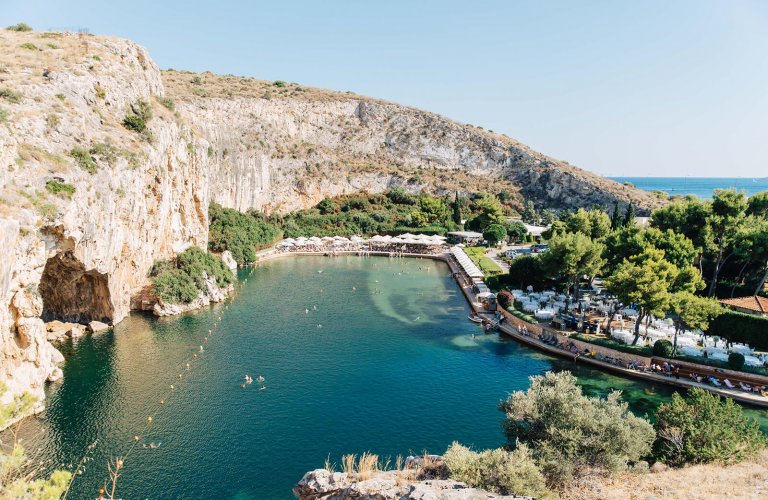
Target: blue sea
(703,187)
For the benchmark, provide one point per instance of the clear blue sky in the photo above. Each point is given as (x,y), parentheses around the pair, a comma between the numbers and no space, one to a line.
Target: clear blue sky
(668,88)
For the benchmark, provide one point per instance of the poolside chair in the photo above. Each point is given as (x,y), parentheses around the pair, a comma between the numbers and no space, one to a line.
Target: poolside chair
(729,384)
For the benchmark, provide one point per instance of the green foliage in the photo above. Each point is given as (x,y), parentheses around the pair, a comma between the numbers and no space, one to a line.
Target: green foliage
(663,348)
(241,234)
(701,427)
(137,119)
(28,46)
(516,231)
(3,115)
(736,361)
(494,233)
(17,478)
(10,95)
(570,256)
(328,206)
(527,270)
(84,159)
(530,215)
(694,312)
(486,265)
(401,197)
(181,281)
(740,327)
(505,298)
(490,212)
(569,432)
(498,471)
(55,187)
(279,83)
(19,27)
(594,223)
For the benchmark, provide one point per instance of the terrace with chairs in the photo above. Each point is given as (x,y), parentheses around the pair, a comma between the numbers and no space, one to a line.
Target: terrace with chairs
(404,243)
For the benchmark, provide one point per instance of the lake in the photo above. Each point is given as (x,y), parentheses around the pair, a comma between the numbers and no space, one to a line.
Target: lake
(358,354)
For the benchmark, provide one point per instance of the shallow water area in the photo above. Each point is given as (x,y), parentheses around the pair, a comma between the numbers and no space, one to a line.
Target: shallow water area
(357,354)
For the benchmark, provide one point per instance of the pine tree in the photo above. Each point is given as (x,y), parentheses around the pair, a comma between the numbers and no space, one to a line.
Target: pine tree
(629,215)
(457,209)
(616,221)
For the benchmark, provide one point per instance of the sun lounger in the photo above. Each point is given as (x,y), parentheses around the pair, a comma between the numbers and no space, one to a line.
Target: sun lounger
(729,384)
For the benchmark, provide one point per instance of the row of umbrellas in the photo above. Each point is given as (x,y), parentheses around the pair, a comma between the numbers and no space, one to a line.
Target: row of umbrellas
(405,239)
(466,263)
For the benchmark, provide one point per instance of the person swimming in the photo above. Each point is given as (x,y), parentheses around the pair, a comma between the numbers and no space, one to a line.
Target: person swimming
(306,310)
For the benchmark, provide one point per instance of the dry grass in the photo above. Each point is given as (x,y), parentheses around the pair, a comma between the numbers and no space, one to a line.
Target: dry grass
(748,480)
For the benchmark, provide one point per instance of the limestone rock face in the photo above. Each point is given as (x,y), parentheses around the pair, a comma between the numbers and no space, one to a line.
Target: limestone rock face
(87,205)
(230,261)
(322,484)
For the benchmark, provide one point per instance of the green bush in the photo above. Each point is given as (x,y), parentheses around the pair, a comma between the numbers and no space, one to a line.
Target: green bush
(28,46)
(741,328)
(569,432)
(55,187)
(279,83)
(175,286)
(10,95)
(498,471)
(84,159)
(663,348)
(19,27)
(137,119)
(505,298)
(134,122)
(701,427)
(182,280)
(3,115)
(241,234)
(736,361)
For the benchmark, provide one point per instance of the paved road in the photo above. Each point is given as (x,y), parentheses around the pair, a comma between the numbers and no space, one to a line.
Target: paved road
(493,254)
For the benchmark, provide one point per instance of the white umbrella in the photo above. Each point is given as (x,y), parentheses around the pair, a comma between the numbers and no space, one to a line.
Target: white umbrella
(289,240)
(327,238)
(315,239)
(357,239)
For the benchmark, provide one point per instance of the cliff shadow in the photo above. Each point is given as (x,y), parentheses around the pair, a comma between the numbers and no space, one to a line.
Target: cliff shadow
(72,293)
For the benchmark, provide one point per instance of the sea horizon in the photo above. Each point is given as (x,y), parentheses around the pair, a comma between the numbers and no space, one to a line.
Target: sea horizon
(703,187)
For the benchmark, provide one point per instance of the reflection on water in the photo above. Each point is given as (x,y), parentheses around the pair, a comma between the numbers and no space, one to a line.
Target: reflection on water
(371,354)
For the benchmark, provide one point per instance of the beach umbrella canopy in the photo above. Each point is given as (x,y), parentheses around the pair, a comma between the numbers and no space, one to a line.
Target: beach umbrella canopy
(289,240)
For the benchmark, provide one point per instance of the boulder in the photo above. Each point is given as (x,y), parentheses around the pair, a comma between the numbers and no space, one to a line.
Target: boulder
(230,261)
(98,326)
(76,331)
(55,375)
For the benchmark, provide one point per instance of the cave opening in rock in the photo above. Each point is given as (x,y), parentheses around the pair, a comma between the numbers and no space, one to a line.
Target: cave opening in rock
(72,293)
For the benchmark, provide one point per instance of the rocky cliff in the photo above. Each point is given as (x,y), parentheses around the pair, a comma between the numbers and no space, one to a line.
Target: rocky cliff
(87,204)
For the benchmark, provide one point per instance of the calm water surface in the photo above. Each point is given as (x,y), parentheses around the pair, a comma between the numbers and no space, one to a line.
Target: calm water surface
(703,187)
(385,363)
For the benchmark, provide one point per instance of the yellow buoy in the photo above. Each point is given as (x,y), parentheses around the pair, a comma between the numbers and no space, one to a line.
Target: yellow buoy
(149,420)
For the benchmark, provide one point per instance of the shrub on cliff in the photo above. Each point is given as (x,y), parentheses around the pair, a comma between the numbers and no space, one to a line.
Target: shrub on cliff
(55,187)
(701,427)
(242,234)
(19,27)
(497,470)
(181,280)
(568,431)
(137,119)
(84,159)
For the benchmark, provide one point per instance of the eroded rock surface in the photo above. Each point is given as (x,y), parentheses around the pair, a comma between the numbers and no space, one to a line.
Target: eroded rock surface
(87,205)
(322,484)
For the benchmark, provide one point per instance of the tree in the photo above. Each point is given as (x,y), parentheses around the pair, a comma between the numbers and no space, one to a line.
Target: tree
(693,312)
(527,270)
(594,223)
(758,205)
(494,234)
(491,212)
(701,427)
(457,209)
(728,212)
(516,230)
(632,240)
(648,281)
(616,220)
(569,432)
(530,215)
(328,206)
(571,256)
(629,215)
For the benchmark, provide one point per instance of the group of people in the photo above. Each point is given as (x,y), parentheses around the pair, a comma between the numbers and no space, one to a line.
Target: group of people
(709,379)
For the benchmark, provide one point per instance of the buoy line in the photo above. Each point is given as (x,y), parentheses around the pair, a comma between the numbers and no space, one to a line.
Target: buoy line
(116,464)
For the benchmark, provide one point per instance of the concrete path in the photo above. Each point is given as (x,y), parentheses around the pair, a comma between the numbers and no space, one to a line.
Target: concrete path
(493,254)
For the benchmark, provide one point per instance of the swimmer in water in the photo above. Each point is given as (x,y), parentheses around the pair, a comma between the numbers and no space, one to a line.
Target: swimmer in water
(306,310)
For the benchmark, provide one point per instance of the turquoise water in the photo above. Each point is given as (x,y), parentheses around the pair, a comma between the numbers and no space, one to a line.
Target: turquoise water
(703,187)
(392,369)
